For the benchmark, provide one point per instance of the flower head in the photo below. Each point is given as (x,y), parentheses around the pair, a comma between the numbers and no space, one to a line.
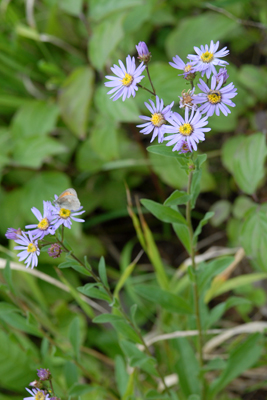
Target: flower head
(30,250)
(45,226)
(63,216)
(37,394)
(13,233)
(184,147)
(189,71)
(207,57)
(222,74)
(189,129)
(54,251)
(43,374)
(186,100)
(125,83)
(143,52)
(157,121)
(215,98)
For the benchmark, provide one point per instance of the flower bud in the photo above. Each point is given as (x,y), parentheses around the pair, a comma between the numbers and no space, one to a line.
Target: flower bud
(143,53)
(36,384)
(222,74)
(43,374)
(13,233)
(55,250)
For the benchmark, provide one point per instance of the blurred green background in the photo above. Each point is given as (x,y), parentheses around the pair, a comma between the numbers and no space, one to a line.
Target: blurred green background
(59,129)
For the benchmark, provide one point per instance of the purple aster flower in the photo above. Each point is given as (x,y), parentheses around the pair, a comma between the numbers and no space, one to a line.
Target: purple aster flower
(30,249)
(189,71)
(184,147)
(186,100)
(189,129)
(43,374)
(143,52)
(54,251)
(207,57)
(37,394)
(13,233)
(222,74)
(215,98)
(125,83)
(45,226)
(63,216)
(157,121)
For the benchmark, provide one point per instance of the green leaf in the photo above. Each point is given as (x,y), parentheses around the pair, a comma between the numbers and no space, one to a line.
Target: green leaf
(249,163)
(164,299)
(183,234)
(7,273)
(93,292)
(187,367)
(78,389)
(203,222)
(138,359)
(221,209)
(207,271)
(102,271)
(105,38)
(18,321)
(34,119)
(121,375)
(120,325)
(216,27)
(71,7)
(107,149)
(254,79)
(163,213)
(76,266)
(229,149)
(241,205)
(241,358)
(254,237)
(74,99)
(32,152)
(102,8)
(176,198)
(74,336)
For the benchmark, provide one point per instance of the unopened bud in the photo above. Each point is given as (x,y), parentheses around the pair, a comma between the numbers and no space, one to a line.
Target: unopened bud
(143,53)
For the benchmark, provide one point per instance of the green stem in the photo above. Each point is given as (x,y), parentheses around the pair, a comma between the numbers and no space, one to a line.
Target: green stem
(142,87)
(195,287)
(98,280)
(148,74)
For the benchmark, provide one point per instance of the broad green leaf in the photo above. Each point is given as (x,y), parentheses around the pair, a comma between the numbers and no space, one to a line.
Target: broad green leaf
(176,198)
(102,8)
(241,358)
(74,336)
(229,149)
(163,150)
(221,211)
(249,163)
(105,138)
(254,237)
(78,389)
(254,79)
(164,299)
(163,213)
(75,98)
(217,312)
(207,271)
(76,266)
(34,119)
(72,7)
(122,111)
(241,205)
(203,222)
(187,367)
(106,36)
(216,27)
(19,322)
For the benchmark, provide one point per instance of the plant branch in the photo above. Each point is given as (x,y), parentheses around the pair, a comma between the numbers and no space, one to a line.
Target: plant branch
(150,80)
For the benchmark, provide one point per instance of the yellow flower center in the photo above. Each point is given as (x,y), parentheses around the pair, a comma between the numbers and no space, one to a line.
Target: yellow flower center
(43,224)
(214,96)
(187,68)
(31,248)
(157,119)
(127,80)
(207,57)
(64,213)
(39,396)
(186,129)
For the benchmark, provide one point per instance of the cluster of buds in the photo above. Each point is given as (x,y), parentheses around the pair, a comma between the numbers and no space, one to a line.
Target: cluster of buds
(40,390)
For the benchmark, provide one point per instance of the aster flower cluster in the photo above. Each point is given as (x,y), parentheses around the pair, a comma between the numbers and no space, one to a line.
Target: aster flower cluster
(39,389)
(60,213)
(214,97)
